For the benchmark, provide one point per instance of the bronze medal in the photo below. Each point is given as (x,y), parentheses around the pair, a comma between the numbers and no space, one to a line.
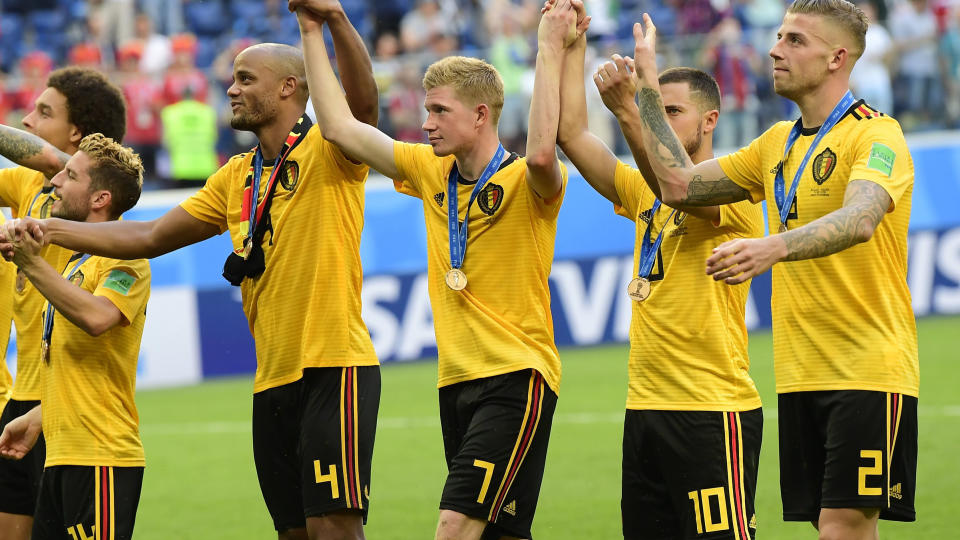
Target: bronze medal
(21,281)
(45,351)
(456,279)
(639,289)
(783,227)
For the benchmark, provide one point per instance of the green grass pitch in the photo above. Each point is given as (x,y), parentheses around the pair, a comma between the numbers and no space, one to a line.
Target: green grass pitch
(200,481)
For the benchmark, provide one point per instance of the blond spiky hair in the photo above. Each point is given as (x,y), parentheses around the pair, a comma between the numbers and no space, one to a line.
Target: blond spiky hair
(114,168)
(473,80)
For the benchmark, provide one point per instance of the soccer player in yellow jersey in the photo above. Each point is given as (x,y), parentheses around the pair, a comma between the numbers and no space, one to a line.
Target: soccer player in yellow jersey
(491,223)
(92,325)
(317,386)
(76,103)
(693,424)
(838,184)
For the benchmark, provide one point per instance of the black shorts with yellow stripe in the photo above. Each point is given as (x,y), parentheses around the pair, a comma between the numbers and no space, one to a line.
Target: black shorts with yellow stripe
(495,435)
(690,474)
(313,443)
(79,502)
(847,449)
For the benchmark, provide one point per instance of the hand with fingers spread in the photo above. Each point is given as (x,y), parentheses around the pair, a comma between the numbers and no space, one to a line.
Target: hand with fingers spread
(645,53)
(558,25)
(617,85)
(738,260)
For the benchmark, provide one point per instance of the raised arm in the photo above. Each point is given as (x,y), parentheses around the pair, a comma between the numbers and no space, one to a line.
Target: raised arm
(118,239)
(864,205)
(586,151)
(353,60)
(681,182)
(30,151)
(618,88)
(92,314)
(558,29)
(357,140)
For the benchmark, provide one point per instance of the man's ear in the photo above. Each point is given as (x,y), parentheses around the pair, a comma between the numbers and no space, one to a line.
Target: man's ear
(839,59)
(710,121)
(289,87)
(75,135)
(483,115)
(101,199)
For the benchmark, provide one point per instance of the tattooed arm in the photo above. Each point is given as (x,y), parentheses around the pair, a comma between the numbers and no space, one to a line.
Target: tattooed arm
(681,183)
(864,205)
(29,150)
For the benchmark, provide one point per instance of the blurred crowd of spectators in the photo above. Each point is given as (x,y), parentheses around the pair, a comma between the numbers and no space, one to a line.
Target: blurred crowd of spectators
(180,52)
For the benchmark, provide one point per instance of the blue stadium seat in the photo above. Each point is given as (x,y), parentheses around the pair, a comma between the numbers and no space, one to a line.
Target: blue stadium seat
(50,33)
(248,9)
(11,40)
(207,50)
(206,18)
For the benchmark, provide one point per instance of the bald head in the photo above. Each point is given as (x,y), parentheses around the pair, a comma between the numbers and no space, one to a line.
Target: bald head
(282,60)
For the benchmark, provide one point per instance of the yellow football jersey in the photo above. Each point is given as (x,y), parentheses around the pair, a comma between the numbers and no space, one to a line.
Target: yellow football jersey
(89,415)
(23,191)
(688,339)
(304,310)
(8,274)
(501,321)
(844,321)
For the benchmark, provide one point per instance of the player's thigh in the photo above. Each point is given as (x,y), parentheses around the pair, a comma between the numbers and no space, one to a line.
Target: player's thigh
(848,449)
(497,470)
(276,439)
(707,462)
(88,502)
(20,479)
(645,508)
(871,460)
(339,422)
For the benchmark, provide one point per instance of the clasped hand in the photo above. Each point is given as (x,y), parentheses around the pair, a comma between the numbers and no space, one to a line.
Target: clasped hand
(21,240)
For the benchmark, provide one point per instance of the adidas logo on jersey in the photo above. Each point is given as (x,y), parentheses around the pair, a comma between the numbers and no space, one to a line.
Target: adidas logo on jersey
(896,491)
(439,198)
(753,522)
(511,508)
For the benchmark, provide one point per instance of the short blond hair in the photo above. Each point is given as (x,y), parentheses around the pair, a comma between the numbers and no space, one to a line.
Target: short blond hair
(846,15)
(114,168)
(473,80)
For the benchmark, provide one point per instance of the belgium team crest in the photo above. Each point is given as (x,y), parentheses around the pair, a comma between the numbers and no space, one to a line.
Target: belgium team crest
(45,207)
(490,198)
(76,278)
(823,166)
(290,176)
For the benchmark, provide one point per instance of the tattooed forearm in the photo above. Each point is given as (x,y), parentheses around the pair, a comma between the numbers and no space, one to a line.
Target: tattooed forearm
(702,192)
(31,151)
(17,145)
(655,120)
(864,206)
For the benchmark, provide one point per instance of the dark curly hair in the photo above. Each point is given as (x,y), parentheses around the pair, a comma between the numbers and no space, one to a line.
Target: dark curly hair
(94,104)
